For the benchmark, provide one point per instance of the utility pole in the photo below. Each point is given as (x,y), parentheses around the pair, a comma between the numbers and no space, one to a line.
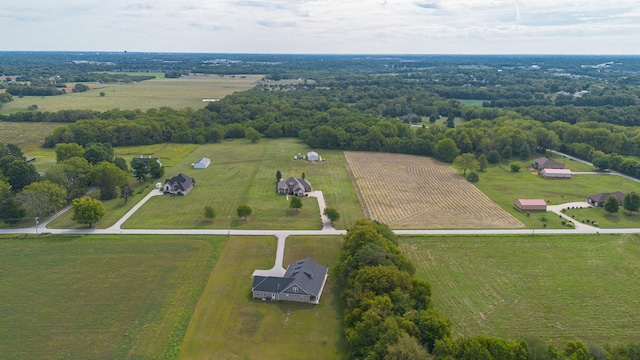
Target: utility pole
(228,226)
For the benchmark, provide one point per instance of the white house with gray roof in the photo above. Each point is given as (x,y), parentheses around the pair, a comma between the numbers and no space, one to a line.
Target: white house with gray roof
(302,282)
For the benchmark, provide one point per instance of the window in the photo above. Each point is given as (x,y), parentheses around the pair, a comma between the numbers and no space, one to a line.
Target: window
(294,289)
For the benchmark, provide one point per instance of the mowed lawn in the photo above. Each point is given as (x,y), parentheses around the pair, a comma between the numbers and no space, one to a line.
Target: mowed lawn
(555,288)
(504,186)
(242,172)
(229,324)
(155,93)
(100,297)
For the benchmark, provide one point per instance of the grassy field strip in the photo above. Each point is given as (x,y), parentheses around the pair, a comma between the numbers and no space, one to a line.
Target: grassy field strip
(406,191)
(29,136)
(156,93)
(229,324)
(83,297)
(556,288)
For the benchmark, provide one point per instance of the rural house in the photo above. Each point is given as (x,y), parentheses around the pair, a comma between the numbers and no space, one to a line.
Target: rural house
(313,156)
(293,186)
(530,205)
(555,173)
(203,163)
(546,163)
(302,282)
(599,199)
(145,159)
(180,185)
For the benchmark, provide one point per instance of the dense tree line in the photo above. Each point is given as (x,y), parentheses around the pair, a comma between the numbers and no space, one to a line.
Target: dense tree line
(30,90)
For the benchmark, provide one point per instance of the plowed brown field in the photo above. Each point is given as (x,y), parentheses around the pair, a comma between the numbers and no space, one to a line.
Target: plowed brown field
(406,191)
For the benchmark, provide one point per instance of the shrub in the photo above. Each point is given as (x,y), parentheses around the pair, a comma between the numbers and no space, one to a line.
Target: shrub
(515,168)
(595,223)
(570,225)
(564,222)
(473,177)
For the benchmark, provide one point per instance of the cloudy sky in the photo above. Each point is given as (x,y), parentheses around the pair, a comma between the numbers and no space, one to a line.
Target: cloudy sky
(324,26)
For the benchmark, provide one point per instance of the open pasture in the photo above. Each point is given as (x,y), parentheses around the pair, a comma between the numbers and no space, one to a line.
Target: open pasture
(29,136)
(229,324)
(155,93)
(406,191)
(241,172)
(100,297)
(555,288)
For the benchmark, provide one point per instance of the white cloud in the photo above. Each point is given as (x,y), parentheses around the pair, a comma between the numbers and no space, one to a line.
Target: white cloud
(324,26)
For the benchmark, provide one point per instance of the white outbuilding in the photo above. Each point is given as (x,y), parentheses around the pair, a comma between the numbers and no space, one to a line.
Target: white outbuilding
(313,156)
(202,163)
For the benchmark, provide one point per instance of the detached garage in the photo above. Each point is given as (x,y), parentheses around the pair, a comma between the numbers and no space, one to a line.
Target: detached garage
(202,164)
(530,205)
(556,173)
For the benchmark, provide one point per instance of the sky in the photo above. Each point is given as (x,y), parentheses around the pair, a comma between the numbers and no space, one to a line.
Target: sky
(324,26)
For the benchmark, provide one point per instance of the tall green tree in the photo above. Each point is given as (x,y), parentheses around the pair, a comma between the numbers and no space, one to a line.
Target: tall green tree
(507,153)
(493,157)
(156,170)
(244,210)
(466,162)
(612,204)
(67,151)
(87,210)
(126,192)
(278,176)
(631,202)
(209,212)
(252,134)
(98,152)
(483,163)
(42,197)
(140,170)
(446,150)
(525,151)
(121,163)
(10,211)
(20,174)
(109,177)
(73,174)
(332,214)
(295,203)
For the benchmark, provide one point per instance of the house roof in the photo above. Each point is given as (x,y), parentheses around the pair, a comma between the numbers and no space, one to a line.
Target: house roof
(183,181)
(544,162)
(602,197)
(305,274)
(203,160)
(144,159)
(532,202)
(557,171)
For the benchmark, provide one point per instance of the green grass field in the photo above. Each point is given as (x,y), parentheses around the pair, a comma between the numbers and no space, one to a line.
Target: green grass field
(29,136)
(241,172)
(555,288)
(472,102)
(100,297)
(504,186)
(174,93)
(229,324)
